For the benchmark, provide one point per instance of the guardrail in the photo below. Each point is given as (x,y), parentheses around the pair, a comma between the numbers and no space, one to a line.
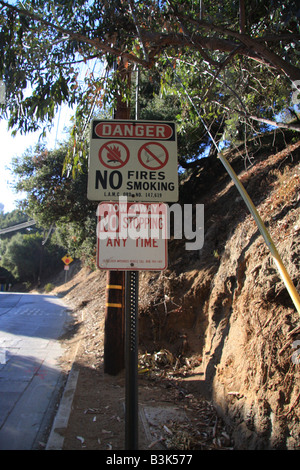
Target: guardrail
(13,228)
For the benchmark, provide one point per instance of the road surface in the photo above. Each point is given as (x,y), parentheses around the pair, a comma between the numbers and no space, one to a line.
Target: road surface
(30,376)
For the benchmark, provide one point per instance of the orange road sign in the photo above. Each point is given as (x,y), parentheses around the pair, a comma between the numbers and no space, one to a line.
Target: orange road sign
(67,259)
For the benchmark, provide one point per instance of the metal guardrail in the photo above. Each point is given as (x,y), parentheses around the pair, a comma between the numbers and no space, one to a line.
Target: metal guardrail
(13,228)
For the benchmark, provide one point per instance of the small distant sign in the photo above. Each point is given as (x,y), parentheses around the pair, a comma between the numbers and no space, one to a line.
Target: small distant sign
(67,259)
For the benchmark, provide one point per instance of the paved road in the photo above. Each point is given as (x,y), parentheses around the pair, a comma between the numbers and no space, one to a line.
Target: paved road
(30,376)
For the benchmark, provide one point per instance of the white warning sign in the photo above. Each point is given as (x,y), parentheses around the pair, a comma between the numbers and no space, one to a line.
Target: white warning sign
(133,159)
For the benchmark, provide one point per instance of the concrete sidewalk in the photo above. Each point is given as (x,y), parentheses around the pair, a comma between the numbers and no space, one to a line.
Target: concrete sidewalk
(56,437)
(150,417)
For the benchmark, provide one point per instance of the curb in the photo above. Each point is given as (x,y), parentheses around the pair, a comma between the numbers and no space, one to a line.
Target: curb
(57,434)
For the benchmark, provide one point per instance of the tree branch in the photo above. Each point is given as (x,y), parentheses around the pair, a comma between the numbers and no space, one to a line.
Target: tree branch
(131,7)
(282,125)
(99,45)
(249,47)
(292,72)
(269,122)
(242,15)
(192,164)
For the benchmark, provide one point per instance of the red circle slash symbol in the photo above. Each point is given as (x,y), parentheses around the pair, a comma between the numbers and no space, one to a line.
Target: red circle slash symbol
(153,156)
(113,154)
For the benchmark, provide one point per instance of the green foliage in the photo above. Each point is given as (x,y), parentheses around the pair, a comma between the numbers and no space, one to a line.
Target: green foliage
(229,56)
(78,238)
(159,99)
(49,287)
(52,195)
(23,254)
(12,218)
(6,277)
(56,198)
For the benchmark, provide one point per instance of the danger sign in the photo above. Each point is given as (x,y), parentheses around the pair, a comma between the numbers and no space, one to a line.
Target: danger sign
(133,159)
(132,236)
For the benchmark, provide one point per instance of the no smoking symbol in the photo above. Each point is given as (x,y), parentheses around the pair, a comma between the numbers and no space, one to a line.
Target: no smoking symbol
(114,154)
(153,156)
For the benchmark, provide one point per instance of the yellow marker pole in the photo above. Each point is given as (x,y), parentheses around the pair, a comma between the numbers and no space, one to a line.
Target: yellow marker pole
(280,266)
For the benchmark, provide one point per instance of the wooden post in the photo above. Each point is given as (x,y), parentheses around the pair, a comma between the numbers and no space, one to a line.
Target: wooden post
(114,323)
(114,338)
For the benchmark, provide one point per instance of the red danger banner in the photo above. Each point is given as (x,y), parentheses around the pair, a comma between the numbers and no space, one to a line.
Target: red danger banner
(134,130)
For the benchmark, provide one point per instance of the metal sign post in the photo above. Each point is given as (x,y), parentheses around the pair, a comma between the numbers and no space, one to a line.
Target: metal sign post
(131,359)
(136,160)
(132,237)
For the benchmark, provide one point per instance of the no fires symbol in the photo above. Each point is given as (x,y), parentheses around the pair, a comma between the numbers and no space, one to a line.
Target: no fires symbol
(114,154)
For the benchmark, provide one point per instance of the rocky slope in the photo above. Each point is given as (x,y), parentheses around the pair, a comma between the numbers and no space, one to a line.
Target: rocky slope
(231,303)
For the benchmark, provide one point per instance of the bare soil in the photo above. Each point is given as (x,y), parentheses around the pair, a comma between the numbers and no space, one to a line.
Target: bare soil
(216,329)
(97,421)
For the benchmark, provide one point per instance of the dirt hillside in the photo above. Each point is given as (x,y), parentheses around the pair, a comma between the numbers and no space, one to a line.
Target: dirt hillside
(218,325)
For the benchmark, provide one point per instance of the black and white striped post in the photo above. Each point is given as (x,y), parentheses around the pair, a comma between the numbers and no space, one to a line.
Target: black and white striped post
(131,359)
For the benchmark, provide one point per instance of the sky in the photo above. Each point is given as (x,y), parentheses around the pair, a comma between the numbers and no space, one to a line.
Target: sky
(15,147)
